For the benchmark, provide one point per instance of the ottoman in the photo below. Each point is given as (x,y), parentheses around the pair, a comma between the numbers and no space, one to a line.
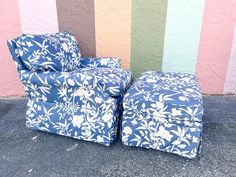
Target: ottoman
(163,111)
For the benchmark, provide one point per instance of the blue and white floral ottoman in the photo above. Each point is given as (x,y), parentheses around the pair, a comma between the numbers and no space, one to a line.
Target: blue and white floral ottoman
(164,111)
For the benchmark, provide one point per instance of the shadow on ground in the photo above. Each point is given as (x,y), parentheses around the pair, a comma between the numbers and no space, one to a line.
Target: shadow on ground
(24,152)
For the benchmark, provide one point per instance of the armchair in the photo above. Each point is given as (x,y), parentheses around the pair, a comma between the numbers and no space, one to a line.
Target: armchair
(82,101)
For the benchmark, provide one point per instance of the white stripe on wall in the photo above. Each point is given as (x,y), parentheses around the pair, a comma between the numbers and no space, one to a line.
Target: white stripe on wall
(38,16)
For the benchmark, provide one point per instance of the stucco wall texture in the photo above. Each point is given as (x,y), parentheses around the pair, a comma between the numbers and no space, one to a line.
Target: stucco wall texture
(113,29)
(9,26)
(78,18)
(197,37)
(148,31)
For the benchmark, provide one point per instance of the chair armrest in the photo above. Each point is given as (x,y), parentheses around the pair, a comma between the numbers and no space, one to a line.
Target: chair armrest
(113,81)
(100,62)
(49,78)
(110,81)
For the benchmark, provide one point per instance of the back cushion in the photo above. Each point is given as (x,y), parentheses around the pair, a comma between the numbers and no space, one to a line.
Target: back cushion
(56,52)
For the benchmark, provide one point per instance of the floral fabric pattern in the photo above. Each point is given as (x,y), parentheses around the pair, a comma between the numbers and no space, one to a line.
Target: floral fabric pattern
(55,52)
(106,62)
(84,103)
(164,111)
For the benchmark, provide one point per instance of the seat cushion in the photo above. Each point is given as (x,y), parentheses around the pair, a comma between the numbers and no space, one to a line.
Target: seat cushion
(56,52)
(114,81)
(172,97)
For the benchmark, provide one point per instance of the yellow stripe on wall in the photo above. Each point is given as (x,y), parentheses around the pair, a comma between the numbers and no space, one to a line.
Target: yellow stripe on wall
(113,29)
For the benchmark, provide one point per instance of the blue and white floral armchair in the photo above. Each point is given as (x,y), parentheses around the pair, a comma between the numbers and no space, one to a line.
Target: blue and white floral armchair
(69,95)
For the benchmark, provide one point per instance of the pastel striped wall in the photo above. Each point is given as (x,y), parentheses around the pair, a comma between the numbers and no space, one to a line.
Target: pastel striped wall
(77,16)
(113,29)
(9,26)
(230,82)
(183,29)
(165,35)
(216,43)
(148,31)
(38,16)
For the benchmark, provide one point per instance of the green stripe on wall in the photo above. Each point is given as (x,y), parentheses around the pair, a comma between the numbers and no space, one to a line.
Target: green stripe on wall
(147,35)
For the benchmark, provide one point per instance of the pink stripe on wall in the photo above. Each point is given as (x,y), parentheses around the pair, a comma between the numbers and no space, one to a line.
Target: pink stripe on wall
(230,82)
(215,44)
(38,16)
(10,84)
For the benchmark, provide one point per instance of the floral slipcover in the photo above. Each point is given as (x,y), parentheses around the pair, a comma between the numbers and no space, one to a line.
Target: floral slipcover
(84,103)
(164,111)
(105,62)
(55,52)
